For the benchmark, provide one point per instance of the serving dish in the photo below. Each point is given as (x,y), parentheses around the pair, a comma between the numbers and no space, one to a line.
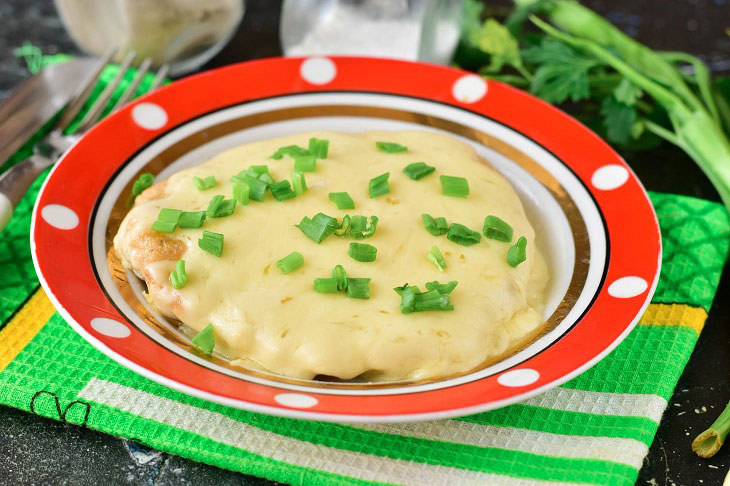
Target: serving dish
(596,224)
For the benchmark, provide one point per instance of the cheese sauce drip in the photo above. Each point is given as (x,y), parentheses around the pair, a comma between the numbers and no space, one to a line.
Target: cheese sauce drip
(274,322)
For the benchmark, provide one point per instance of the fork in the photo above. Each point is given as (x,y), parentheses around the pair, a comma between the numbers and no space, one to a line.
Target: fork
(16,181)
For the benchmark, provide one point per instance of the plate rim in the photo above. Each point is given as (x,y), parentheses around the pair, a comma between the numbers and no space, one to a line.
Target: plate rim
(336,417)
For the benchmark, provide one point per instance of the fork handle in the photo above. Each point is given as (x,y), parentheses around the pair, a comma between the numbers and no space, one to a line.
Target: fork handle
(16,181)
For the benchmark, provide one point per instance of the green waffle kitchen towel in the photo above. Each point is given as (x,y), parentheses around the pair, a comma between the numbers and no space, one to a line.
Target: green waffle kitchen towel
(595,429)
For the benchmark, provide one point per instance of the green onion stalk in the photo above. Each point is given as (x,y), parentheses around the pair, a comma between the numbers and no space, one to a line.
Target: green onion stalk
(696,122)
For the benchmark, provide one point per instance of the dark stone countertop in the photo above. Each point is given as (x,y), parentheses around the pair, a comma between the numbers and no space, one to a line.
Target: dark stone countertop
(35,450)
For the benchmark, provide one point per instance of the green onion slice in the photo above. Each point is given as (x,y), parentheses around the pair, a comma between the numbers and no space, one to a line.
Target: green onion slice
(362,252)
(343,227)
(496,229)
(437,258)
(358,288)
(361,228)
(143,182)
(214,204)
(517,252)
(319,227)
(342,200)
(379,185)
(454,186)
(167,220)
(340,276)
(205,339)
(435,226)
(211,243)
(444,289)
(290,262)
(458,233)
(178,277)
(298,182)
(191,219)
(436,298)
(282,190)
(240,191)
(418,170)
(325,285)
(220,207)
(391,147)
(319,147)
(204,183)
(305,163)
(291,151)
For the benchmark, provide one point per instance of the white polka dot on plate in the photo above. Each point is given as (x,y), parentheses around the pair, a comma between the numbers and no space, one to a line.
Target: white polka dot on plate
(627,287)
(110,327)
(318,70)
(296,400)
(470,88)
(610,177)
(60,217)
(149,116)
(521,377)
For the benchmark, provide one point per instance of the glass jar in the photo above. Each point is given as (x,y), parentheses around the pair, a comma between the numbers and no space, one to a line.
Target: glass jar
(182,33)
(423,30)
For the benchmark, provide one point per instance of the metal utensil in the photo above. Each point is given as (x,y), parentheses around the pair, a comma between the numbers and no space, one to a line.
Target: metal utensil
(38,100)
(15,181)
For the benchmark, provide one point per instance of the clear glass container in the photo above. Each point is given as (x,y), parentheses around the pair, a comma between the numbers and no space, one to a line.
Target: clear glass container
(423,30)
(182,33)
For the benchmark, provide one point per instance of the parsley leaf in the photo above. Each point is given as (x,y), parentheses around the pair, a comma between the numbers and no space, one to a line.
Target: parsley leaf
(496,40)
(627,92)
(618,118)
(562,72)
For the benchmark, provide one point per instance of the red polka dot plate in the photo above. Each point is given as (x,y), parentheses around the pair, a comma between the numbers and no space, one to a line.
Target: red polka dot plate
(600,231)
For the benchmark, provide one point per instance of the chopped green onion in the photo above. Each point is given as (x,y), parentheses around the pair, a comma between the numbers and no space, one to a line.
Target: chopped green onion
(266,178)
(290,262)
(390,147)
(362,252)
(418,170)
(212,243)
(458,233)
(205,339)
(205,183)
(435,298)
(290,150)
(191,219)
(343,227)
(143,182)
(340,276)
(358,288)
(342,200)
(167,220)
(240,191)
(379,185)
(497,229)
(360,228)
(259,169)
(516,253)
(454,186)
(214,204)
(298,182)
(444,289)
(256,187)
(319,227)
(435,226)
(305,163)
(178,277)
(319,147)
(325,285)
(437,258)
(220,207)
(282,190)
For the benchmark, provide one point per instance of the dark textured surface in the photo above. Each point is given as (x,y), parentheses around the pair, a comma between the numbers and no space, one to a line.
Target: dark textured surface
(36,450)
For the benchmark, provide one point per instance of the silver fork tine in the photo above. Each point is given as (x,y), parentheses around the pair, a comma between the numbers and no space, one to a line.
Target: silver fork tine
(82,95)
(132,88)
(161,75)
(97,108)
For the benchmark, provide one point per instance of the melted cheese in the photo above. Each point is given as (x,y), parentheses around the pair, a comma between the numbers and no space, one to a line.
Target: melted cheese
(266,320)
